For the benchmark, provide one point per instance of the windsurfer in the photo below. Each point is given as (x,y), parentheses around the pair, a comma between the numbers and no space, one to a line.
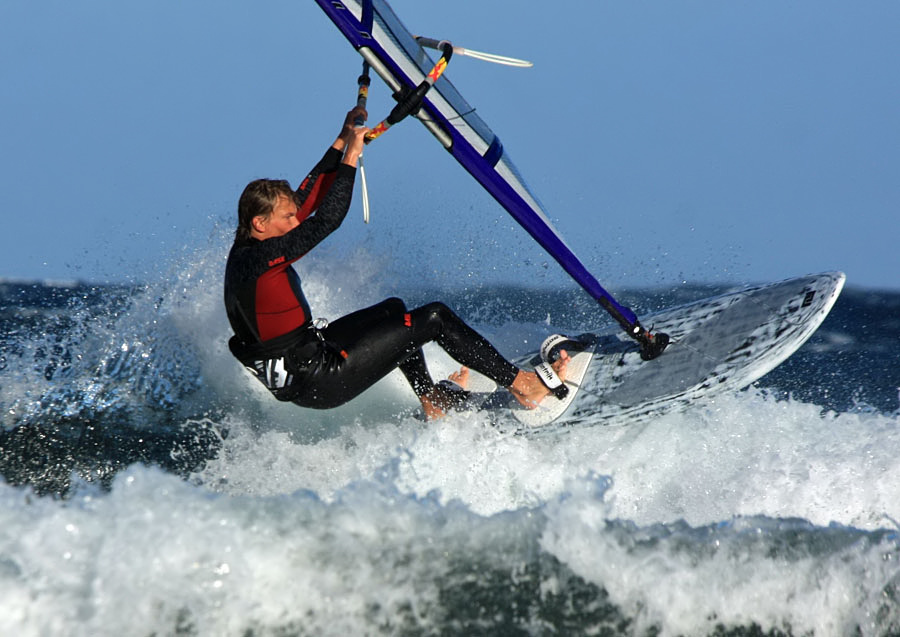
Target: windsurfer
(320,365)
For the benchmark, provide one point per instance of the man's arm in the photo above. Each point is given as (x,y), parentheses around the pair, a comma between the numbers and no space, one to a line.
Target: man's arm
(344,150)
(318,181)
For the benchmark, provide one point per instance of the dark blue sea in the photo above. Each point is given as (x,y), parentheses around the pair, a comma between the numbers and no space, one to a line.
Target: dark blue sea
(150,488)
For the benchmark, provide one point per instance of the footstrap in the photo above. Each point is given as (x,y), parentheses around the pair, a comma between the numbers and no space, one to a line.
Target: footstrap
(551,346)
(551,381)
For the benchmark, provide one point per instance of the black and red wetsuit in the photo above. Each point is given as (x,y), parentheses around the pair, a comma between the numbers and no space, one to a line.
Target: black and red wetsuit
(274,334)
(263,296)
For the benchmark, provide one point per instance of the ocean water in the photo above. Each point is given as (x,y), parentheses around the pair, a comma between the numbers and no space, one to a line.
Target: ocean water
(149,487)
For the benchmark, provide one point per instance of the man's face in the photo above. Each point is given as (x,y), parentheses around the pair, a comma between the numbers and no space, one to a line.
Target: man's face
(282,220)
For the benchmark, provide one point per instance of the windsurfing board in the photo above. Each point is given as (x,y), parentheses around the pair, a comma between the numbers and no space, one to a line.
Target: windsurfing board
(719,344)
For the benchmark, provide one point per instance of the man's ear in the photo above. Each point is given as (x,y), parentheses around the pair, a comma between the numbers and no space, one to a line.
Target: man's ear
(259,223)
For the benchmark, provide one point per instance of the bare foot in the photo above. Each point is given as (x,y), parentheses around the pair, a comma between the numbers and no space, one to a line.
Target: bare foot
(436,402)
(461,377)
(530,390)
(432,411)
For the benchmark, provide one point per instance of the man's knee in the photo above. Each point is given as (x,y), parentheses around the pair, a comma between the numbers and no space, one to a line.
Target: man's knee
(436,312)
(394,304)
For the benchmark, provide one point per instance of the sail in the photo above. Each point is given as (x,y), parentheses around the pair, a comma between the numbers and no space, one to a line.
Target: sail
(393,52)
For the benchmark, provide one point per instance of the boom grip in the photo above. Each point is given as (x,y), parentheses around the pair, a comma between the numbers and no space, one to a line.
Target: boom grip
(409,101)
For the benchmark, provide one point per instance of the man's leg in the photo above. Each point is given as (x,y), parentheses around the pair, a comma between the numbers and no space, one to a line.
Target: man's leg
(437,322)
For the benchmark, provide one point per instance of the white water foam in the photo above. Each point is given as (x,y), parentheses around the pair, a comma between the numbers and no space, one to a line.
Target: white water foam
(746,454)
(158,556)
(684,580)
(357,530)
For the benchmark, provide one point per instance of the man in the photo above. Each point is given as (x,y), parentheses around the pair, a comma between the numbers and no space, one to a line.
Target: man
(323,366)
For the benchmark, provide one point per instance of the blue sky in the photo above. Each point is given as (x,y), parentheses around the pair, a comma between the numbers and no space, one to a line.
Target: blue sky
(670,141)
